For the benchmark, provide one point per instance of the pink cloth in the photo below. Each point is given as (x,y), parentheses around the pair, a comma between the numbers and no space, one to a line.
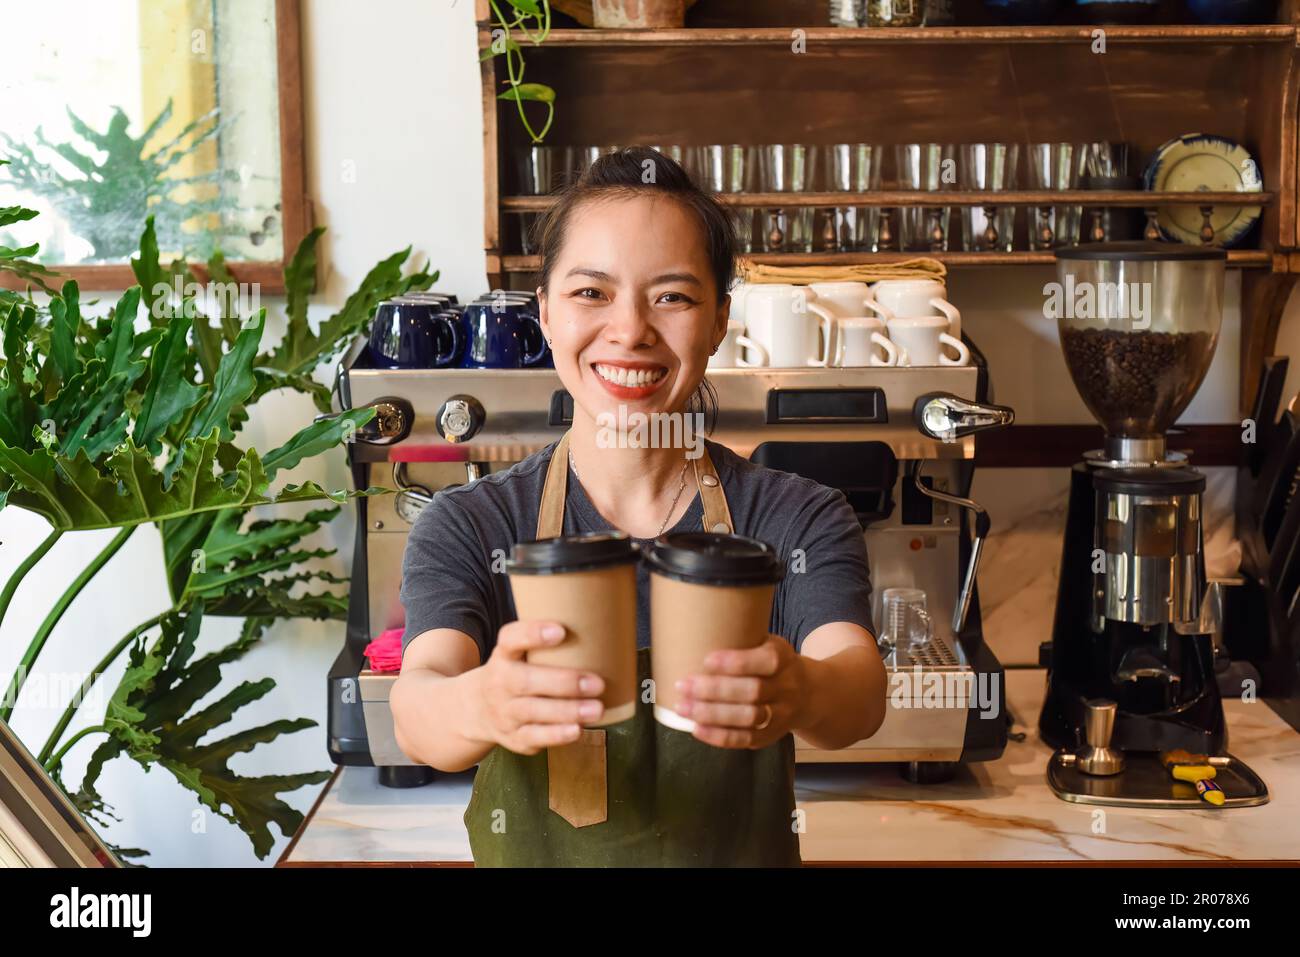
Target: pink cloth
(385,652)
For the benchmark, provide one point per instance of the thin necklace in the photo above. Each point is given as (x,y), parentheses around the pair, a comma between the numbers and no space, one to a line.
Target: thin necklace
(671,508)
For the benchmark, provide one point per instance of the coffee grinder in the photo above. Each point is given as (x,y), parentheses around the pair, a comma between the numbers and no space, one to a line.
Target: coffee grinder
(1130,663)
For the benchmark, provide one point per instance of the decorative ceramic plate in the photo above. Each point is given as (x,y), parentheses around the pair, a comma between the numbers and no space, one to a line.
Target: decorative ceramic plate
(1198,162)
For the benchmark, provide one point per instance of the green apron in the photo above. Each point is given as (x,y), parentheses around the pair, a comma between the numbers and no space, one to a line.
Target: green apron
(668,799)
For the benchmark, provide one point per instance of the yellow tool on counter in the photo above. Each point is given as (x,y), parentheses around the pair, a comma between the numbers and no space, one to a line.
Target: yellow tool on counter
(1197,770)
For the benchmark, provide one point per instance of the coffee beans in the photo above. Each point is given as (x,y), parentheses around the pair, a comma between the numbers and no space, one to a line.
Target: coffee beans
(1136,383)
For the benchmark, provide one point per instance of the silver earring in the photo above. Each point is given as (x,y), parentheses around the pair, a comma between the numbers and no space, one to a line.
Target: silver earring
(548,342)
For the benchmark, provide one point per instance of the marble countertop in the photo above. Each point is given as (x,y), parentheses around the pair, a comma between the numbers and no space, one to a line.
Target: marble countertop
(1000,811)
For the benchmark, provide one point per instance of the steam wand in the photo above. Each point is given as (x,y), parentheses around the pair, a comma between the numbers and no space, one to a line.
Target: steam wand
(982,526)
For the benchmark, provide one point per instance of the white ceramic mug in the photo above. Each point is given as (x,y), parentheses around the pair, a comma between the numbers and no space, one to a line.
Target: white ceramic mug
(844,299)
(856,340)
(728,355)
(738,292)
(783,321)
(915,297)
(920,339)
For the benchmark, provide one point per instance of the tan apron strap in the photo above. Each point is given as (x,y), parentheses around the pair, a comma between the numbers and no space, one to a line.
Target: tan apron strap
(550,515)
(576,774)
(717,517)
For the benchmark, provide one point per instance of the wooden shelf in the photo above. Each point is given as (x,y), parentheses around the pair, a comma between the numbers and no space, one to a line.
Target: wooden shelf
(722,83)
(842,37)
(1244,258)
(1079,197)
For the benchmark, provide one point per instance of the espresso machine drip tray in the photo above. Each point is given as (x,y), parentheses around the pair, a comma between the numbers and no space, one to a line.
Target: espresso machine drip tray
(1145,782)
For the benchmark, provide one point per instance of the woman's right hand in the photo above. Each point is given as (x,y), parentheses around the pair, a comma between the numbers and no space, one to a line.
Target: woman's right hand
(527,708)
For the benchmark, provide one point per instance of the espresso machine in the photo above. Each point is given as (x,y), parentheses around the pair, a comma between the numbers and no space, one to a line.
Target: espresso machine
(1131,658)
(897,441)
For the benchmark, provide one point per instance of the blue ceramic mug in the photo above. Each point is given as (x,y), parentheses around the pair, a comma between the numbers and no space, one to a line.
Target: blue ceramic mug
(502,335)
(416,334)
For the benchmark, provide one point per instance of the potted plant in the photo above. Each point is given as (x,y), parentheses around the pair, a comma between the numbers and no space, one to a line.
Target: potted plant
(106,425)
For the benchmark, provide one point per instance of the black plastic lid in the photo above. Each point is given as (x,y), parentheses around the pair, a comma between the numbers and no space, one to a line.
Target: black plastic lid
(1149,481)
(709,558)
(553,556)
(1140,252)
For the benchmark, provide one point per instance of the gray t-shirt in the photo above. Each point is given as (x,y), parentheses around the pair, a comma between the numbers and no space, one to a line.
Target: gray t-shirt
(453,572)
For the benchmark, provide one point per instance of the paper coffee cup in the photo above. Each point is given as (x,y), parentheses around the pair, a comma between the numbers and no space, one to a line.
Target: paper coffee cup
(708,592)
(588,584)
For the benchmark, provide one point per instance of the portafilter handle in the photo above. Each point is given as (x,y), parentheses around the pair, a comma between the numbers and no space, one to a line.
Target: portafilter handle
(948,417)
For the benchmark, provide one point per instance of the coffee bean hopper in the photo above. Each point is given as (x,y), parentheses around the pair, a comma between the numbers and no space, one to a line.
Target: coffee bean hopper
(897,441)
(1131,658)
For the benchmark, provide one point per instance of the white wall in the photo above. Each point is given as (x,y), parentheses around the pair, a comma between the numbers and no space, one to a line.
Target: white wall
(395,157)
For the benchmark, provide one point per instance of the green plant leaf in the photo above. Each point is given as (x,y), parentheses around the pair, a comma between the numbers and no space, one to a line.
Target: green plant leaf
(98,425)
(170,394)
(316,438)
(233,384)
(72,493)
(117,349)
(17,407)
(65,321)
(15,214)
(508,46)
(301,350)
(272,599)
(269,380)
(299,282)
(152,722)
(150,274)
(215,558)
(228,321)
(527,6)
(538,92)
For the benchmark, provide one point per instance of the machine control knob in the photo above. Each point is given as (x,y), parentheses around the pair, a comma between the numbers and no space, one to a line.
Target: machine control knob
(947,417)
(460,418)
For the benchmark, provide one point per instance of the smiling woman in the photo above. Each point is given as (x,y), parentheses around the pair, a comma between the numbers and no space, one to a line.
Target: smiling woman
(636,261)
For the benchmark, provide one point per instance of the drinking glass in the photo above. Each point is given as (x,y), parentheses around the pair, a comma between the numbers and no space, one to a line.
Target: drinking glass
(580,159)
(786,168)
(895,13)
(906,621)
(1105,167)
(924,166)
(848,13)
(854,168)
(728,169)
(675,153)
(1055,166)
(541,169)
(991,167)
(1105,159)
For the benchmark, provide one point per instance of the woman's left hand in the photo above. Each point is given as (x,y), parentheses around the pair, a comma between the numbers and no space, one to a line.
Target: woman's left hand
(746,699)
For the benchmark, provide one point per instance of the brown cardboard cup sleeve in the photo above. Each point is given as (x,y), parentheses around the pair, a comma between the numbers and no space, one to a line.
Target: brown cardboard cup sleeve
(577,776)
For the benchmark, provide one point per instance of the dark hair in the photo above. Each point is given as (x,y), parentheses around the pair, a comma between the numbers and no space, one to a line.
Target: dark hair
(623,172)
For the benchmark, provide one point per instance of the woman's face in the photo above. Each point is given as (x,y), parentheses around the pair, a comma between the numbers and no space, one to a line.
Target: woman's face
(632,309)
